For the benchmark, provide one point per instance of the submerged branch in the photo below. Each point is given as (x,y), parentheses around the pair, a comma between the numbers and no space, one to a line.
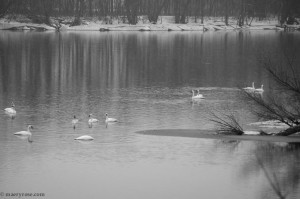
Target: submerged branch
(229,125)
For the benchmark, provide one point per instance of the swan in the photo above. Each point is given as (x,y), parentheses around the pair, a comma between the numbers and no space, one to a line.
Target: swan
(92,120)
(84,137)
(250,88)
(261,89)
(11,110)
(75,120)
(26,133)
(109,119)
(198,96)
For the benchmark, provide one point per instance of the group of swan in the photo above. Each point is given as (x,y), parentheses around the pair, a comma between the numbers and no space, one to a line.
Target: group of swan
(12,111)
(90,122)
(253,89)
(197,96)
(94,120)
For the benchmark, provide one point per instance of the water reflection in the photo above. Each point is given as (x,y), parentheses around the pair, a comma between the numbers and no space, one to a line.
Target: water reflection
(276,163)
(145,80)
(64,62)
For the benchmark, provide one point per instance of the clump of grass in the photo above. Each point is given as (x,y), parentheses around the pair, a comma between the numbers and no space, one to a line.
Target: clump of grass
(227,124)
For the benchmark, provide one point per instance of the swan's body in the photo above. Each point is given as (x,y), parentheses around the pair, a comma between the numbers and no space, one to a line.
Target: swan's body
(25,133)
(261,89)
(11,110)
(84,137)
(198,96)
(250,88)
(28,132)
(109,119)
(92,120)
(75,120)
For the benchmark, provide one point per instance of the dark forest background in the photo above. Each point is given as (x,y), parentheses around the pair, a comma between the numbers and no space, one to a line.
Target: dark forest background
(129,11)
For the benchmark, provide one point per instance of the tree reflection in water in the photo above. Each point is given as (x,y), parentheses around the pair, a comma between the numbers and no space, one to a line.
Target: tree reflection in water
(276,163)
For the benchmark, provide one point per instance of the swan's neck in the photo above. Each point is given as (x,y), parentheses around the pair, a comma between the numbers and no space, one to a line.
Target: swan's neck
(253,85)
(29,138)
(28,129)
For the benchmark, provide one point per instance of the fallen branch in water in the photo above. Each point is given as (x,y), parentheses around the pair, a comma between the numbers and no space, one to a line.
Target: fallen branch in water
(227,123)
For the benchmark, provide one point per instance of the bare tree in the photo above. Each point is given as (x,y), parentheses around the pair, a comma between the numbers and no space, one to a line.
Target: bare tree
(132,7)
(283,102)
(180,10)
(5,5)
(227,123)
(154,9)
(78,12)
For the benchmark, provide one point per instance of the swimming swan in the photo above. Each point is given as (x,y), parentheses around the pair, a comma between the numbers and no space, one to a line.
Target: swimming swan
(250,88)
(25,133)
(109,119)
(75,120)
(261,89)
(84,137)
(198,96)
(11,110)
(92,120)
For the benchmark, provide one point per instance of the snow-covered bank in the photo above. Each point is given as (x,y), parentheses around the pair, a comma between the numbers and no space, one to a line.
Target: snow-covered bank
(24,26)
(208,134)
(165,24)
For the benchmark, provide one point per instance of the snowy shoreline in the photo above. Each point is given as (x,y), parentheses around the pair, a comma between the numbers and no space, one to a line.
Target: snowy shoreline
(210,134)
(165,25)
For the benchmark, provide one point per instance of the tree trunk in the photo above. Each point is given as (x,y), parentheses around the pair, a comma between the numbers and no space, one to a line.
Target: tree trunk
(155,7)
(131,7)
(202,11)
(78,13)
(180,10)
(241,18)
(226,12)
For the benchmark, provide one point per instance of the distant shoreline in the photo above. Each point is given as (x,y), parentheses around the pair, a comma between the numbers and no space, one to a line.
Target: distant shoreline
(127,27)
(166,24)
(209,134)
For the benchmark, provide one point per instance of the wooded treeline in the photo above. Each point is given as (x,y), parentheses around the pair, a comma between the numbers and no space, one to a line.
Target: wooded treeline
(130,10)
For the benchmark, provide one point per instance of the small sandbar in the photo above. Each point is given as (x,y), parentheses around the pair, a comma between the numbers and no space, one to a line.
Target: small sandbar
(209,134)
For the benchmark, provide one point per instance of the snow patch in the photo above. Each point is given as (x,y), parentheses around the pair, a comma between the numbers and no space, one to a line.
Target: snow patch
(270,124)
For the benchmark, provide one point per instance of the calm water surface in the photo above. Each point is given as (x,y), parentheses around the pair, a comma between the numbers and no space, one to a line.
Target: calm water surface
(145,81)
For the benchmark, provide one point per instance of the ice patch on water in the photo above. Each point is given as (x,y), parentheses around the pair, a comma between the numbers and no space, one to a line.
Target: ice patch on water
(251,133)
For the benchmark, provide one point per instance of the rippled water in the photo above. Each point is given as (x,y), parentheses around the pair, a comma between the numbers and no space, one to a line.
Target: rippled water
(145,81)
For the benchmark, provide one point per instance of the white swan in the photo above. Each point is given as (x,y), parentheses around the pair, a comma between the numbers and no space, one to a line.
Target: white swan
(11,110)
(198,96)
(261,89)
(75,120)
(84,137)
(92,120)
(25,133)
(109,119)
(250,88)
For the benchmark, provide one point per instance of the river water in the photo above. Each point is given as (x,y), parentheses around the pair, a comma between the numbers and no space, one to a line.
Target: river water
(144,79)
